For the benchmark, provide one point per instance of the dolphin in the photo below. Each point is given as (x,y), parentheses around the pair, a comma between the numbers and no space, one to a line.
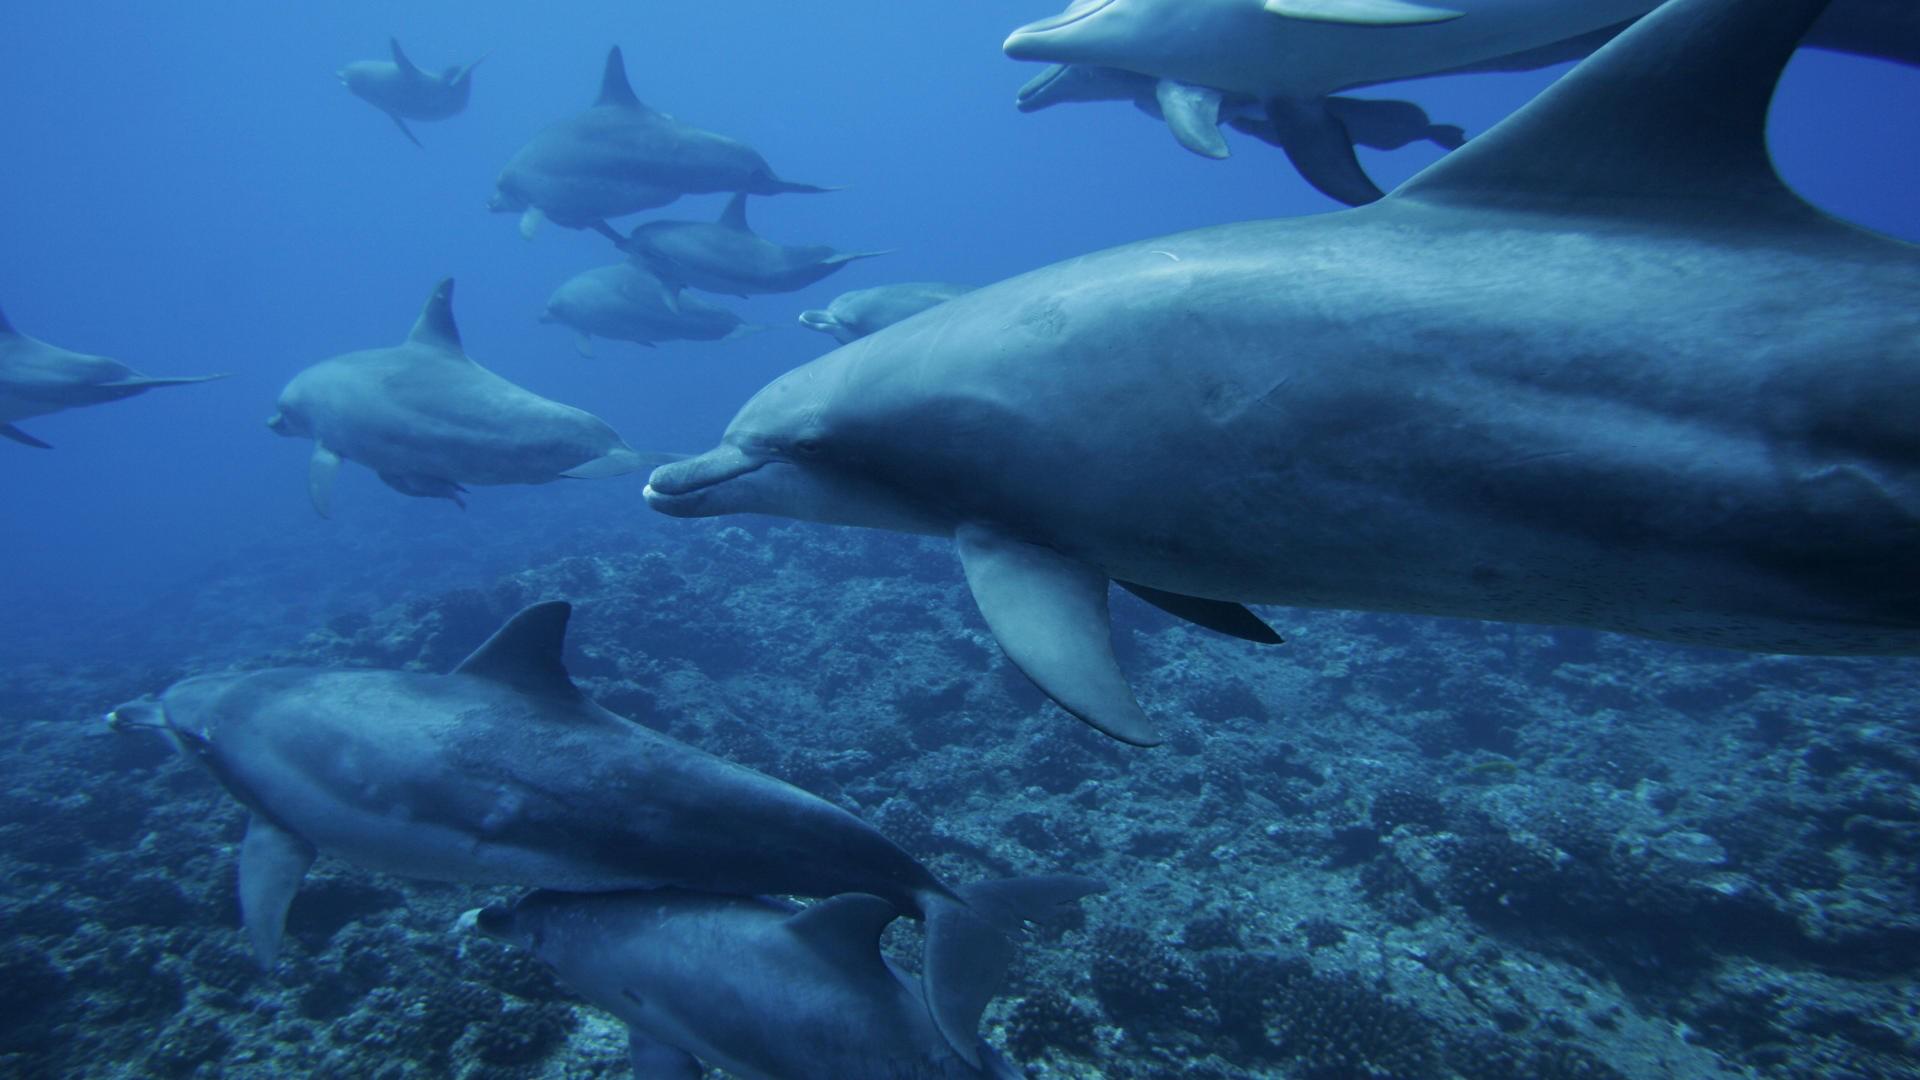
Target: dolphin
(619,157)
(430,420)
(37,378)
(759,989)
(627,302)
(404,92)
(727,256)
(504,773)
(1597,368)
(854,315)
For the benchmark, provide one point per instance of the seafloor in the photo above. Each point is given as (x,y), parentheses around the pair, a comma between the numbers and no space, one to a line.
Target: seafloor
(1393,847)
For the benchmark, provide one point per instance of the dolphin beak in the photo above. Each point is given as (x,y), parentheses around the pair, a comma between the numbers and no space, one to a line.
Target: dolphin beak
(1029,42)
(144,714)
(678,489)
(1031,97)
(817,320)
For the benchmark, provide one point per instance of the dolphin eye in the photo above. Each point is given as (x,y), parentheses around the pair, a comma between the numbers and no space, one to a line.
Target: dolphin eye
(807,447)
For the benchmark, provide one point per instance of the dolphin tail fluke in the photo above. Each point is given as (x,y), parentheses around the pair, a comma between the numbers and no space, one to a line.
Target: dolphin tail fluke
(149,382)
(970,943)
(272,862)
(14,433)
(1319,146)
(844,257)
(460,73)
(407,131)
(620,462)
(777,186)
(1447,136)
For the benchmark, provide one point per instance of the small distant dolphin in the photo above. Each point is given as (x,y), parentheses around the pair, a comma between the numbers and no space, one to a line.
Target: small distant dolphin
(37,378)
(626,302)
(504,773)
(429,420)
(854,315)
(727,256)
(404,92)
(759,989)
(620,157)
(1599,367)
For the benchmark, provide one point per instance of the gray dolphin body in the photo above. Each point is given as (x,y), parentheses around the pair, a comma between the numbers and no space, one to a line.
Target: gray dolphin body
(37,379)
(854,315)
(504,773)
(620,157)
(727,256)
(1597,368)
(628,302)
(404,92)
(429,420)
(763,991)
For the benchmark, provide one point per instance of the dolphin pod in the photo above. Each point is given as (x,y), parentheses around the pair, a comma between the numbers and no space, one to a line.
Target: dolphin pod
(429,420)
(1505,392)
(37,379)
(504,773)
(404,92)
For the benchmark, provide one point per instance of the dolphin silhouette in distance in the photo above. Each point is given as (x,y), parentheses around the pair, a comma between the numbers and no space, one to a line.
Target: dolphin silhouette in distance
(627,302)
(37,378)
(404,92)
(854,315)
(620,157)
(727,256)
(429,420)
(1599,367)
(504,773)
(760,989)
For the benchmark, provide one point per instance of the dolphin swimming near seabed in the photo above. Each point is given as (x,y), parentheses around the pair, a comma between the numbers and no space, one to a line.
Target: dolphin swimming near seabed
(429,420)
(504,773)
(404,92)
(1598,368)
(854,315)
(759,989)
(727,256)
(626,302)
(37,378)
(620,157)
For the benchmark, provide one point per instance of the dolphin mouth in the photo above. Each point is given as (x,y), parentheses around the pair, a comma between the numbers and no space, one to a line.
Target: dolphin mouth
(817,320)
(1028,99)
(678,488)
(1077,11)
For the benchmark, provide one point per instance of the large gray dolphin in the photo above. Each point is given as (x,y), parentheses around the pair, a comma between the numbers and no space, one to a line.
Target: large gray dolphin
(430,420)
(404,92)
(761,990)
(627,302)
(504,773)
(1599,367)
(854,315)
(37,378)
(727,256)
(620,157)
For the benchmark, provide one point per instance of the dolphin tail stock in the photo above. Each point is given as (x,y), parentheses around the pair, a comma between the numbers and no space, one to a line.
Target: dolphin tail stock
(844,257)
(620,462)
(1320,147)
(11,432)
(970,943)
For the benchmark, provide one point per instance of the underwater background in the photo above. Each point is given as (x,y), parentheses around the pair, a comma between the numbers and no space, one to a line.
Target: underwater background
(1396,847)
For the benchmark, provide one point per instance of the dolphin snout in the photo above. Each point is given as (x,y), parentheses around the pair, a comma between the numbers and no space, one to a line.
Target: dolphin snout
(818,320)
(680,488)
(143,714)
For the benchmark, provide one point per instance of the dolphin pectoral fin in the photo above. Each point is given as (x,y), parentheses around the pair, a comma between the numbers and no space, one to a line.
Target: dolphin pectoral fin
(1219,616)
(1320,148)
(583,344)
(19,436)
(405,130)
(530,222)
(320,472)
(1363,12)
(272,862)
(1049,614)
(654,1060)
(1193,115)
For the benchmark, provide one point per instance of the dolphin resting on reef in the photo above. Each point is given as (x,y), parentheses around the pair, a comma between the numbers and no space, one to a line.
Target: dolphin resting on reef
(429,420)
(620,157)
(404,92)
(627,302)
(37,378)
(727,256)
(854,315)
(759,989)
(504,773)
(1598,368)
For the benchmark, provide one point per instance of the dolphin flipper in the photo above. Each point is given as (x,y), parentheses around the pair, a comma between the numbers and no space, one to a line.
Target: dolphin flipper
(658,1061)
(1049,614)
(320,472)
(14,433)
(1363,12)
(272,862)
(1193,115)
(1386,124)
(530,222)
(1320,148)
(1219,616)
(405,130)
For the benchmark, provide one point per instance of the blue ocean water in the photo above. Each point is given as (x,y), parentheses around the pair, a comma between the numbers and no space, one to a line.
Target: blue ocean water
(190,190)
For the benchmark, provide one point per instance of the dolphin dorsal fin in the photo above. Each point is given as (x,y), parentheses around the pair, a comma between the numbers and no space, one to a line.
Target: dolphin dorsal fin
(435,325)
(845,929)
(735,215)
(1673,111)
(614,88)
(400,58)
(525,653)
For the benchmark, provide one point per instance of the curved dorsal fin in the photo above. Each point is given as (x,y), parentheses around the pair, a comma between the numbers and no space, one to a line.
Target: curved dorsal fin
(614,88)
(1674,110)
(435,325)
(845,930)
(735,215)
(525,653)
(400,58)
